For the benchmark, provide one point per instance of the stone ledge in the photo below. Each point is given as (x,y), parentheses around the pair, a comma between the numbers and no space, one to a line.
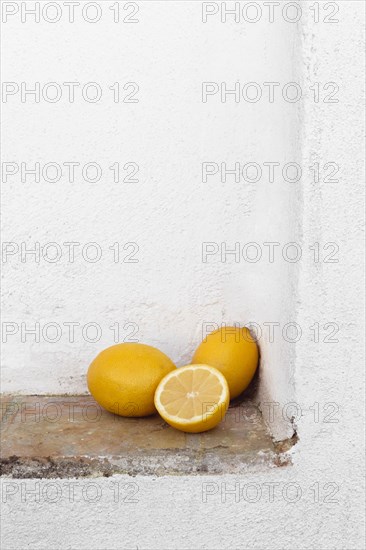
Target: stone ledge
(71,436)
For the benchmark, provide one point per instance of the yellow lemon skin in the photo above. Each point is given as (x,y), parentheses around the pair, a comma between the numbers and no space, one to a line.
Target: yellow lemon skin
(234,352)
(124,377)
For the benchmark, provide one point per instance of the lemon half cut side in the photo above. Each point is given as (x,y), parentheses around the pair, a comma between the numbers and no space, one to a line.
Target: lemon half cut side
(193,398)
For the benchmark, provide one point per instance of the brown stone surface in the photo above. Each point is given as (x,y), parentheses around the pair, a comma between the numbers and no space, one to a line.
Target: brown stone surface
(72,436)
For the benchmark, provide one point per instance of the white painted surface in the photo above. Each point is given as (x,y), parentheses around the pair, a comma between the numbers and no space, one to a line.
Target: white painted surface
(170,292)
(171,513)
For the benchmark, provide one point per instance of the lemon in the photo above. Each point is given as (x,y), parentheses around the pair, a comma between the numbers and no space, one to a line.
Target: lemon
(194,398)
(123,378)
(234,352)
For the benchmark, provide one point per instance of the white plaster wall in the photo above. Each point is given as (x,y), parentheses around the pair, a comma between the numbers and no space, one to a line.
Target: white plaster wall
(169,294)
(179,513)
(170,512)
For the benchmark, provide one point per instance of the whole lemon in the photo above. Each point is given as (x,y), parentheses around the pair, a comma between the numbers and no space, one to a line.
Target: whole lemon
(234,352)
(124,377)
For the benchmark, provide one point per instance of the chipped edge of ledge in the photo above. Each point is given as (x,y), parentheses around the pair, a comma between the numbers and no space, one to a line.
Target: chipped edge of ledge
(157,465)
(284,449)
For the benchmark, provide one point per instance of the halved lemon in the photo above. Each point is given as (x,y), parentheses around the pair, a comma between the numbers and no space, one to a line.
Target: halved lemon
(193,399)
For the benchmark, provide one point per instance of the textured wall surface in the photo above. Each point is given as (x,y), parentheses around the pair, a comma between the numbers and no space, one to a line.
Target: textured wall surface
(168,286)
(170,292)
